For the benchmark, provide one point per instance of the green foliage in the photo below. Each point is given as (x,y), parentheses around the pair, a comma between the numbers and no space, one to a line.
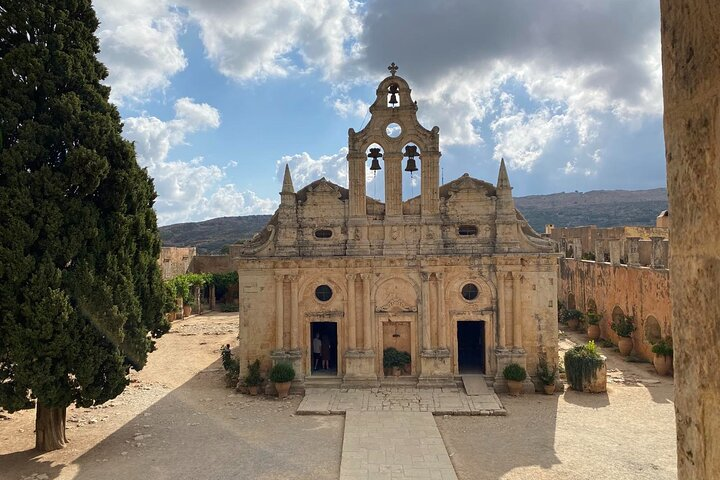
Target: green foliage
(282,372)
(572,314)
(228,307)
(561,310)
(392,357)
(593,318)
(664,347)
(545,374)
(181,285)
(514,372)
(623,326)
(253,377)
(231,366)
(588,256)
(81,287)
(581,364)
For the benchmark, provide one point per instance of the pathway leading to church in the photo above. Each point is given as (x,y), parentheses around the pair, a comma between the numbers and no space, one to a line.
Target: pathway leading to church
(381,445)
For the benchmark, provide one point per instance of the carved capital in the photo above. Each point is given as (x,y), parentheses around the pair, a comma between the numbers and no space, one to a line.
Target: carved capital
(350,277)
(439,275)
(279,277)
(365,276)
(425,276)
(292,278)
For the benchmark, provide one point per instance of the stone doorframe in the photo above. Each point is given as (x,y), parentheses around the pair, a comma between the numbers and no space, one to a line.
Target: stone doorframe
(306,340)
(485,315)
(381,320)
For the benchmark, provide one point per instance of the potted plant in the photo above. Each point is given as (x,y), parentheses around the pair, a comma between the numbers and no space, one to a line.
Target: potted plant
(514,375)
(281,374)
(662,359)
(572,317)
(624,327)
(394,360)
(585,368)
(231,366)
(593,320)
(547,376)
(253,378)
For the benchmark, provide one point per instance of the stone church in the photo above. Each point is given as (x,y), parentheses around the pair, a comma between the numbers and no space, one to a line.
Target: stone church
(455,276)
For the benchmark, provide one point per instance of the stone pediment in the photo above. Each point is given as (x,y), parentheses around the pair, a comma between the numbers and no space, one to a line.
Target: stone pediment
(323,186)
(396,304)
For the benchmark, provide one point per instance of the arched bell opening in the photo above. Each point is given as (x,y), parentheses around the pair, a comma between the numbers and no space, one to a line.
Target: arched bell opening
(375,172)
(411,166)
(393,95)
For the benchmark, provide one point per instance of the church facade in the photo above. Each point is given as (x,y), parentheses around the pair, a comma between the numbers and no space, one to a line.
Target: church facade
(455,276)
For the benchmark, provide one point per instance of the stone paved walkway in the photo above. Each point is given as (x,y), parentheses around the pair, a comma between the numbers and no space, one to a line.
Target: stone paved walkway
(393,445)
(438,401)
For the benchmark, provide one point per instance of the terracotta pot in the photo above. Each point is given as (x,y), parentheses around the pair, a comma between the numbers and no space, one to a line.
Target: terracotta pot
(593,332)
(573,323)
(282,389)
(187,310)
(549,389)
(252,390)
(396,371)
(171,316)
(662,364)
(625,344)
(514,387)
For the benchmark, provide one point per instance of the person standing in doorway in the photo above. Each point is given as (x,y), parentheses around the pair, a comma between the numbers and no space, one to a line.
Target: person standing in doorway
(317,349)
(325,349)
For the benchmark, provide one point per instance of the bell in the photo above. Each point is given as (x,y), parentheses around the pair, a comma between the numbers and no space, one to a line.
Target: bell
(411,167)
(375,165)
(411,151)
(375,154)
(393,94)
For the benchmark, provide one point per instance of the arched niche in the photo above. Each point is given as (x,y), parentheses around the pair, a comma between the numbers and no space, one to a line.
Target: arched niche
(652,330)
(591,306)
(375,179)
(571,301)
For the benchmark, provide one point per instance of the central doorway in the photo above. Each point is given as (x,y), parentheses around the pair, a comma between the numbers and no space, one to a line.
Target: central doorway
(471,346)
(324,362)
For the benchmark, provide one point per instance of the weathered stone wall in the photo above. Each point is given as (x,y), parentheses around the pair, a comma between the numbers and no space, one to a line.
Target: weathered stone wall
(691,91)
(212,264)
(639,291)
(175,261)
(590,235)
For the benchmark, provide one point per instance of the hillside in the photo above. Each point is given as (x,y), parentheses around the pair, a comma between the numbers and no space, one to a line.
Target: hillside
(604,208)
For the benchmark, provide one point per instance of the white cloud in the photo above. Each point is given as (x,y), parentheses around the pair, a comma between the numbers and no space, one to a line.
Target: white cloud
(305,169)
(188,190)
(139,46)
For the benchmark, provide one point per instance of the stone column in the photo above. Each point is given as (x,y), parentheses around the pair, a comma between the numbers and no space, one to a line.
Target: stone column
(633,251)
(294,313)
(657,259)
(430,183)
(517,313)
(691,91)
(599,250)
(614,251)
(425,278)
(393,184)
(279,314)
(501,313)
(351,313)
(577,249)
(367,314)
(441,317)
(356,173)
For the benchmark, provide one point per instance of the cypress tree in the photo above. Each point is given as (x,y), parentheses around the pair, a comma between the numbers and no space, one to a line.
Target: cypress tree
(80,288)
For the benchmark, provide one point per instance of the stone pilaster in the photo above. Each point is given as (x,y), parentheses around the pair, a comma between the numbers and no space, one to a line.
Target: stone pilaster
(351,313)
(441,316)
(425,288)
(356,173)
(633,251)
(294,313)
(429,183)
(393,184)
(658,258)
(614,246)
(517,315)
(367,313)
(501,311)
(577,249)
(279,313)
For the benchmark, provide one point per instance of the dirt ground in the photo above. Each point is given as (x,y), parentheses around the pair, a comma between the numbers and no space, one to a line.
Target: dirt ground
(176,421)
(627,433)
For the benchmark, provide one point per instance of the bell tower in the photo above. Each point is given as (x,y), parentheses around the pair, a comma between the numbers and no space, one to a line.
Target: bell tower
(395,141)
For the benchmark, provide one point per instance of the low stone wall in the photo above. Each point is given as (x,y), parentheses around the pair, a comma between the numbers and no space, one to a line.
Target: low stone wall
(212,264)
(639,291)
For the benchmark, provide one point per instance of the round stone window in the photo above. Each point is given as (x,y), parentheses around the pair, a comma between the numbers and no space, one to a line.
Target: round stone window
(393,130)
(323,293)
(470,291)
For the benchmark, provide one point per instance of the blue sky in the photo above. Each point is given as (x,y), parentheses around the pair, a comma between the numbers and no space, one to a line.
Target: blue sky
(219,95)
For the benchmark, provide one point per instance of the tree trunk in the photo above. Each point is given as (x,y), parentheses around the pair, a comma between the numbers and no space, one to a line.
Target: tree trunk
(49,428)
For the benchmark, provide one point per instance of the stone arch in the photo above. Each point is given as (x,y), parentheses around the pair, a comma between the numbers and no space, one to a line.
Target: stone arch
(617,314)
(455,283)
(310,282)
(652,331)
(385,280)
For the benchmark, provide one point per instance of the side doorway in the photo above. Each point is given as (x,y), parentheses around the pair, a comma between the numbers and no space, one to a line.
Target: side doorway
(471,346)
(323,348)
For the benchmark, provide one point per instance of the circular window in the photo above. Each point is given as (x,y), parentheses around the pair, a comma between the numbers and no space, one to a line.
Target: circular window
(470,291)
(393,130)
(323,293)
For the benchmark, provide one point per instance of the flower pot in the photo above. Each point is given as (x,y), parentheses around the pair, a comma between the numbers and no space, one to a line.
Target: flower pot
(396,371)
(625,344)
(252,390)
(187,310)
(593,332)
(282,389)
(573,323)
(514,387)
(662,364)
(549,389)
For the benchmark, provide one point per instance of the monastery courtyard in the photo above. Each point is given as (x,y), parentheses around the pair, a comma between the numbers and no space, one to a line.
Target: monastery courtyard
(176,420)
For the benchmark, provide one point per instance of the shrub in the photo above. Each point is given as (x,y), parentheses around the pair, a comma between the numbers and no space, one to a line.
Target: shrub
(253,378)
(282,372)
(514,372)
(593,318)
(572,314)
(664,347)
(581,363)
(228,307)
(588,256)
(546,376)
(623,326)
(231,366)
(392,357)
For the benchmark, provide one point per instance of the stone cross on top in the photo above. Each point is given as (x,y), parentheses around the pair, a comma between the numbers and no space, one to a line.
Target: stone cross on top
(393,68)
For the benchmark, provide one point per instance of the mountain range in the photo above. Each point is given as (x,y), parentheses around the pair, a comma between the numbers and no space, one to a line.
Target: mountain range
(604,208)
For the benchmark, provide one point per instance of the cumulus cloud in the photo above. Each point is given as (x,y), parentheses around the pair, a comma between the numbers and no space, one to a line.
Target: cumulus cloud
(305,169)
(139,45)
(188,190)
